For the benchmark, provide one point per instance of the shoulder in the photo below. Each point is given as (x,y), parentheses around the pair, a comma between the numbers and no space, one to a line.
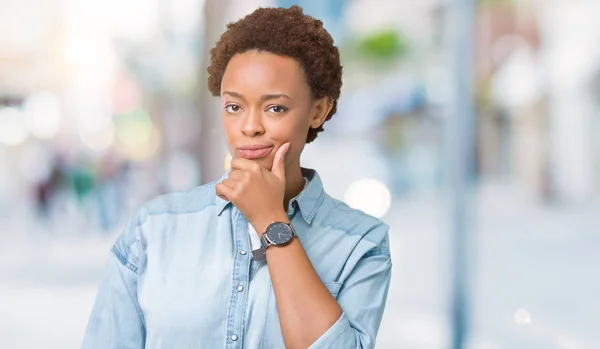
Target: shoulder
(369,230)
(182,202)
(159,212)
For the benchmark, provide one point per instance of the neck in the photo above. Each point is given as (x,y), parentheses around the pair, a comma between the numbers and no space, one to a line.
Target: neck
(294,183)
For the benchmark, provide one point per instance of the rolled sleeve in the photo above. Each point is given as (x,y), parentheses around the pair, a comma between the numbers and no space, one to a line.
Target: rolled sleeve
(340,335)
(116,320)
(362,299)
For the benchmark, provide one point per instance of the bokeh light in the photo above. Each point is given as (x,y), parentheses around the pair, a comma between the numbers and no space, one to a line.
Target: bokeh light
(42,113)
(133,129)
(142,151)
(35,162)
(522,317)
(370,196)
(13,130)
(98,134)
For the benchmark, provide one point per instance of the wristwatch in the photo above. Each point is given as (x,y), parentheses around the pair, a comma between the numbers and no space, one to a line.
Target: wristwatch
(277,234)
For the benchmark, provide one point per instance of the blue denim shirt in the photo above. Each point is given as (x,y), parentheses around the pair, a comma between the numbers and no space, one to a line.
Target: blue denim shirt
(181,275)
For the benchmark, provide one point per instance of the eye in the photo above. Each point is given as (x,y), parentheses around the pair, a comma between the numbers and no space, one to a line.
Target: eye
(278,109)
(232,108)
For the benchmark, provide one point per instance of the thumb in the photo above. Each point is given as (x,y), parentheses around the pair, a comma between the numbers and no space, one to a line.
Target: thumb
(279,161)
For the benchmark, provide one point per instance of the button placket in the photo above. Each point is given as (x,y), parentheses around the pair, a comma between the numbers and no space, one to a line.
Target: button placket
(236,318)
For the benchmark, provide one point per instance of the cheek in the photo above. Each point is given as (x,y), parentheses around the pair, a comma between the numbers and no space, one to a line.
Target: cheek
(295,133)
(229,131)
(295,152)
(231,148)
(298,141)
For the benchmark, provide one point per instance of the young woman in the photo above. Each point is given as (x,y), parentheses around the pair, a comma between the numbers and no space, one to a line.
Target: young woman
(263,257)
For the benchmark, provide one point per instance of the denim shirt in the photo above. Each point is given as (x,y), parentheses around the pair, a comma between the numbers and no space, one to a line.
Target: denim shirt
(181,275)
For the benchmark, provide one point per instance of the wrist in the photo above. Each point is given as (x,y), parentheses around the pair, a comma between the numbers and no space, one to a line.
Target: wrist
(261,225)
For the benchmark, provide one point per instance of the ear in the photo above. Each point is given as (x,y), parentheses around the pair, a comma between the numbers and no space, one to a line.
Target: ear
(321,109)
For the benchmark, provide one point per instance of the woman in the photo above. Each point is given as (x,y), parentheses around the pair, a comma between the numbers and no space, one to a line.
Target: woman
(262,258)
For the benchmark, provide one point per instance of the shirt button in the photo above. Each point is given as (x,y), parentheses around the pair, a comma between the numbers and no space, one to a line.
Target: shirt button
(243,253)
(234,337)
(240,288)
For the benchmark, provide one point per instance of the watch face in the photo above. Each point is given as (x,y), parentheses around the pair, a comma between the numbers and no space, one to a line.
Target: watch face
(279,233)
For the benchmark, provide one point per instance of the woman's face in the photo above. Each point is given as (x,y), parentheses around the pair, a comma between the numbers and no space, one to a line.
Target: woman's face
(266,103)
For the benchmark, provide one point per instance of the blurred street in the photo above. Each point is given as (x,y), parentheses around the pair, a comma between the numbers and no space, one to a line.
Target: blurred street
(104,105)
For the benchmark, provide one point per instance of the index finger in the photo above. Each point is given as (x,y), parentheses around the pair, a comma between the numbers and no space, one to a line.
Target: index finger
(244,164)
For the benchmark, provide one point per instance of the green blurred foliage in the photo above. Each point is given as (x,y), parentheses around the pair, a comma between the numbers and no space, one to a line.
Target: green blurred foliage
(382,46)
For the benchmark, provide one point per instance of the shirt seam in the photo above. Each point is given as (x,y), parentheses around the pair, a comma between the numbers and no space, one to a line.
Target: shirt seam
(318,204)
(378,251)
(365,237)
(348,208)
(175,212)
(124,260)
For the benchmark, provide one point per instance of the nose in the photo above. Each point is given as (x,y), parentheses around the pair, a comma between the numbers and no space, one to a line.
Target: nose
(252,124)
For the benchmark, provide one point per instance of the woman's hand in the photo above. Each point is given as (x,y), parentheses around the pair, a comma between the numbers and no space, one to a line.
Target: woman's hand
(258,193)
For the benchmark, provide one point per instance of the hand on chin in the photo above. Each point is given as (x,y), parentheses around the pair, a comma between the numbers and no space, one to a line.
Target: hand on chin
(266,162)
(255,189)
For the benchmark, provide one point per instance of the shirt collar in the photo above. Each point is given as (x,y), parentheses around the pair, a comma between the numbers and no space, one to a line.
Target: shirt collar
(221,203)
(308,201)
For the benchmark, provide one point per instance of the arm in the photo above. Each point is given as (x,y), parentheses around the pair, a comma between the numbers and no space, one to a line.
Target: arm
(116,320)
(310,317)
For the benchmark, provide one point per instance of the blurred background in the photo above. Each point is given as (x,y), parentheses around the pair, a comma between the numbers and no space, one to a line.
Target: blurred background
(103,106)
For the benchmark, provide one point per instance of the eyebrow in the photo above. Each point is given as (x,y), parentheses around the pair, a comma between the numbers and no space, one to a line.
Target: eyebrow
(262,98)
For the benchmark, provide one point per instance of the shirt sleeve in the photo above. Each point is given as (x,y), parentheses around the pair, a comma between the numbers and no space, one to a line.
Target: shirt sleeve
(362,299)
(116,320)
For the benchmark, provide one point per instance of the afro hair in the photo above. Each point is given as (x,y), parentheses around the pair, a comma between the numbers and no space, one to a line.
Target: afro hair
(284,32)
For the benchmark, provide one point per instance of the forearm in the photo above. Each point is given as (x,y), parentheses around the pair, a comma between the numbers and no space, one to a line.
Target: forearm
(306,308)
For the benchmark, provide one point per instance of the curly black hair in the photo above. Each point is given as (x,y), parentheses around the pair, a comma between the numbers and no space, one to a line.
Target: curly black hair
(284,32)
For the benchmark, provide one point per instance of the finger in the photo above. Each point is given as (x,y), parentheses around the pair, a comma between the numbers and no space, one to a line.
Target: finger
(279,161)
(236,175)
(224,191)
(244,164)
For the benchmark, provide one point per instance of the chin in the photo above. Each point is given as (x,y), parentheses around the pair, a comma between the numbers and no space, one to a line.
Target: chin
(265,163)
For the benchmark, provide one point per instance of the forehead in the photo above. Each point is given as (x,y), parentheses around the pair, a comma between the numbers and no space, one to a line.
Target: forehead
(256,73)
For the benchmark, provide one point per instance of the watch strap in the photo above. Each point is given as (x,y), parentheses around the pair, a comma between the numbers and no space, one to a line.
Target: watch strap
(259,254)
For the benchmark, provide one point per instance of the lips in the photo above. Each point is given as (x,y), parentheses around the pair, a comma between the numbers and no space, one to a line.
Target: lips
(254,151)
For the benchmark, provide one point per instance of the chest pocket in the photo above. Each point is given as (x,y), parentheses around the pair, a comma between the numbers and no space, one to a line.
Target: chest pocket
(272,337)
